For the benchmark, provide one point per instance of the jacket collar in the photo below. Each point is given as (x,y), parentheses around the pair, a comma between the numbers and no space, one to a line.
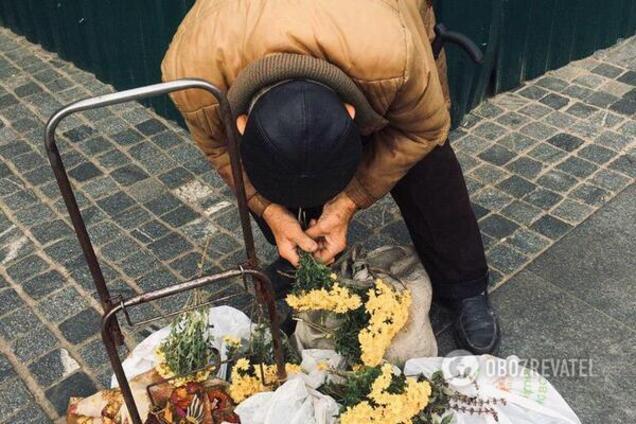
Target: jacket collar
(285,66)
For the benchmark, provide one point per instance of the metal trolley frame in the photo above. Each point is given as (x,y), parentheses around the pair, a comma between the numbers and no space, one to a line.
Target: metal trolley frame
(250,271)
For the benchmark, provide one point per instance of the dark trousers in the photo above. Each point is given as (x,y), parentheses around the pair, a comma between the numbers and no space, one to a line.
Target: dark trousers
(434,203)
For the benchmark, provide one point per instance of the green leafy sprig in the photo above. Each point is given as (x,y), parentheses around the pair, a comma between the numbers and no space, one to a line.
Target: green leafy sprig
(188,347)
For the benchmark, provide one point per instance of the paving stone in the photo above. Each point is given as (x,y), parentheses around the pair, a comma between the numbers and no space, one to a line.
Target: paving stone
(492,199)
(572,211)
(527,242)
(596,154)
(466,162)
(150,231)
(188,265)
(471,145)
(164,204)
(610,180)
(538,131)
(607,70)
(64,250)
(533,92)
(180,216)
(84,172)
(557,181)
(525,167)
(489,131)
(591,195)
(156,279)
(565,141)
(31,414)
(129,174)
(601,99)
(516,142)
(78,385)
(43,284)
(53,366)
(80,133)
(119,249)
(488,110)
(535,110)
(6,369)
(166,139)
(512,120)
(544,199)
(13,396)
(9,301)
(577,167)
(550,227)
(497,226)
(497,155)
(578,91)
(625,164)
(613,140)
(590,80)
(116,203)
(20,199)
(516,186)
(22,270)
(560,120)
(18,322)
(546,153)
(505,258)
(176,177)
(127,137)
(138,264)
(552,83)
(488,174)
(80,327)
(132,218)
(555,101)
(35,342)
(222,244)
(170,246)
(625,107)
(151,127)
(61,304)
(628,77)
(581,110)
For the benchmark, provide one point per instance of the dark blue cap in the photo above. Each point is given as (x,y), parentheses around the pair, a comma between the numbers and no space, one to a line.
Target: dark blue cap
(300,147)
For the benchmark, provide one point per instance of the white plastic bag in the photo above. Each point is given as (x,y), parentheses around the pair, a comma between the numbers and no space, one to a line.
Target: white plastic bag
(292,403)
(224,321)
(530,398)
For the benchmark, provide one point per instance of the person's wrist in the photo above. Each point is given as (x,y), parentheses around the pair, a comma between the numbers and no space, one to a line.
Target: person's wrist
(270,211)
(347,204)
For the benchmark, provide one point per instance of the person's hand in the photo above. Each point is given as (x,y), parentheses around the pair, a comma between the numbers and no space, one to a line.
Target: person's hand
(330,231)
(288,233)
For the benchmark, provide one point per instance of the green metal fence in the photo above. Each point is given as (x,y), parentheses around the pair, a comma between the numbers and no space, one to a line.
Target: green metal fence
(123,41)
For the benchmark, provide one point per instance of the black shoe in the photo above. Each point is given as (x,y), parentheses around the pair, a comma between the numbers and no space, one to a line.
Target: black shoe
(280,272)
(476,326)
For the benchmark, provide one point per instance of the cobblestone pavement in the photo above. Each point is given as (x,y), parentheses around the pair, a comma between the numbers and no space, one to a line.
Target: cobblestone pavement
(538,161)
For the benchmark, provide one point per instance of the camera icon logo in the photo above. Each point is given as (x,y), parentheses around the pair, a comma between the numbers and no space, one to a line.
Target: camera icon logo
(460,368)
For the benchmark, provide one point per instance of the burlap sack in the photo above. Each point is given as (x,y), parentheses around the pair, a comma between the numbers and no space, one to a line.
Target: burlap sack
(398,266)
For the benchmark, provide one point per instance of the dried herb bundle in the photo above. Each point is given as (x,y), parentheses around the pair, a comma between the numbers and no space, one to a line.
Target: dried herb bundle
(188,347)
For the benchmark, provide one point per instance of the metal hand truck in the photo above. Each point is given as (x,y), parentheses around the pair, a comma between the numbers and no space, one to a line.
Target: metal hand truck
(250,271)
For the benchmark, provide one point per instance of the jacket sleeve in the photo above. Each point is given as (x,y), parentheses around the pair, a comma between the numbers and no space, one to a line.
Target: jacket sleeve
(207,131)
(418,122)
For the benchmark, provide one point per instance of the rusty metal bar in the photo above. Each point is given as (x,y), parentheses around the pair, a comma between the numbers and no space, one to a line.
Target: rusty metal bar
(111,333)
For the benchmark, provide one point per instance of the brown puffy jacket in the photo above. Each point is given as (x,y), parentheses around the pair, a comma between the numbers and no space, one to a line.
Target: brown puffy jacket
(375,53)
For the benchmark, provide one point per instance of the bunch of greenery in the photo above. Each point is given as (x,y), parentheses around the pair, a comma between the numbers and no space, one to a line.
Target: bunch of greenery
(188,347)
(357,386)
(311,275)
(261,349)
